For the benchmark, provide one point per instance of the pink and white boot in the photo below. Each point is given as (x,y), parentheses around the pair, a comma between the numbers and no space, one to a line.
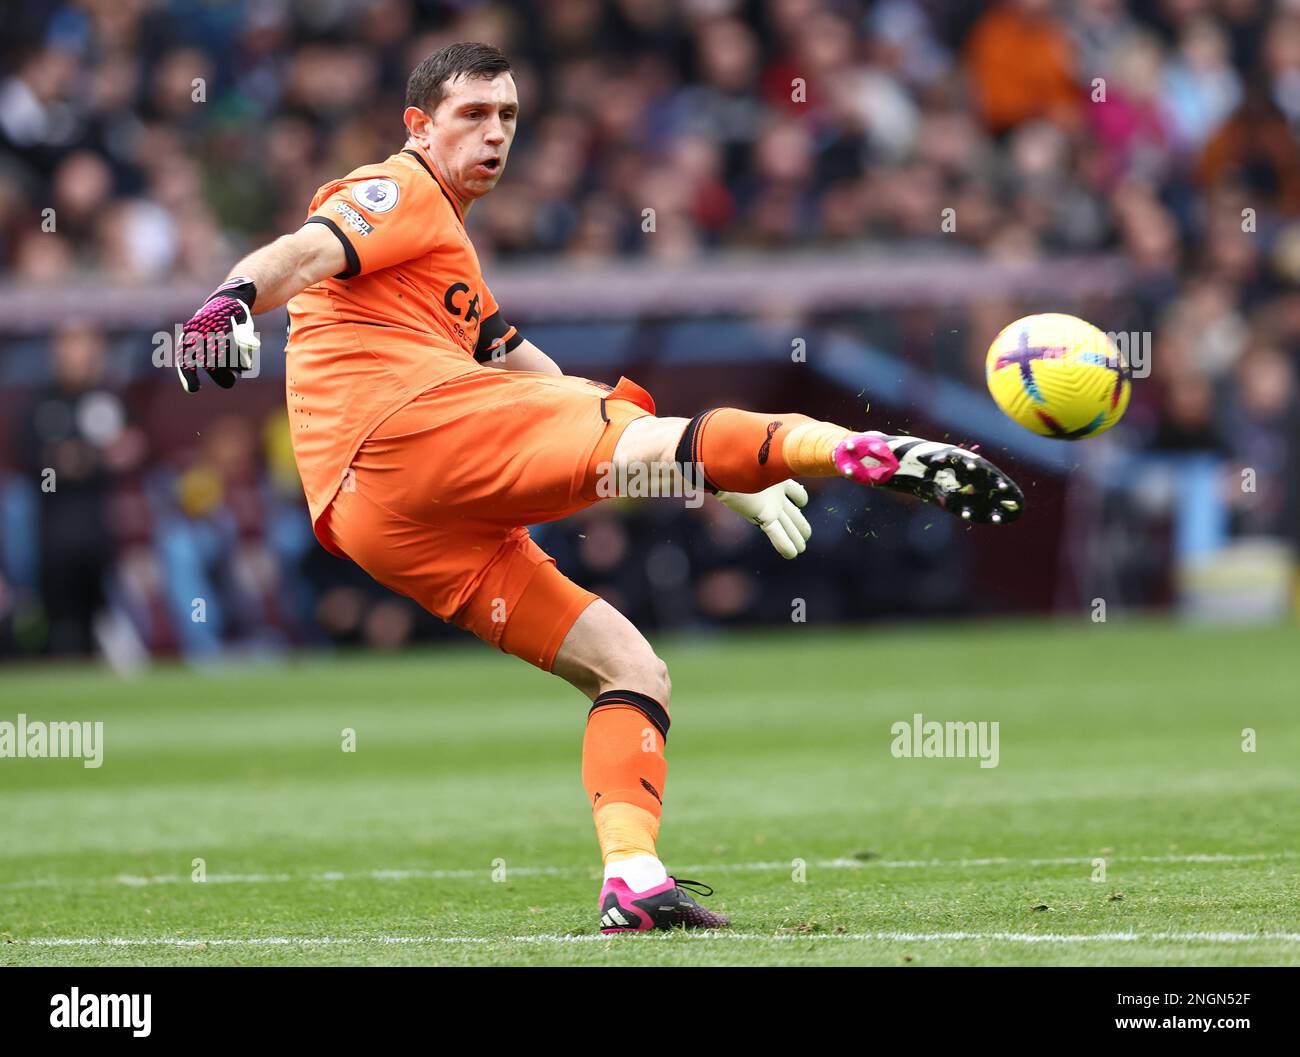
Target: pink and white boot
(952,478)
(665,906)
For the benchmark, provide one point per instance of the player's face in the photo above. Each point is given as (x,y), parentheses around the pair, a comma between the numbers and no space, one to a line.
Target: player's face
(470,133)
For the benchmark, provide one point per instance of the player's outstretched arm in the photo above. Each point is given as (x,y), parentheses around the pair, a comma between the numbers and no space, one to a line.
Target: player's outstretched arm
(284,268)
(220,336)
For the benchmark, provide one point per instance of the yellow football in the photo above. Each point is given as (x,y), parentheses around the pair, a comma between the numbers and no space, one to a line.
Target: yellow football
(1058,376)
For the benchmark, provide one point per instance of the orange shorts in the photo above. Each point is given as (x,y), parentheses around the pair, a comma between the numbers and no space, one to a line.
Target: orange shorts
(439,493)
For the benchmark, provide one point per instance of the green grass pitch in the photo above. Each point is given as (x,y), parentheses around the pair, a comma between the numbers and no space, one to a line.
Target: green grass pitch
(458,832)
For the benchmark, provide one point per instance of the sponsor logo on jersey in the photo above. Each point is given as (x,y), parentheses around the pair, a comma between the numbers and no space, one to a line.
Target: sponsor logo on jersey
(456,303)
(376,196)
(355,220)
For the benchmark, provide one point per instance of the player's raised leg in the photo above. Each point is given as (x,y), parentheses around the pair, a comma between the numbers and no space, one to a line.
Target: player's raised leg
(746,451)
(624,770)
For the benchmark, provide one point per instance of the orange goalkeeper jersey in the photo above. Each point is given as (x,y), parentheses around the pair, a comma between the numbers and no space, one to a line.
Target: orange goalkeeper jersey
(409,312)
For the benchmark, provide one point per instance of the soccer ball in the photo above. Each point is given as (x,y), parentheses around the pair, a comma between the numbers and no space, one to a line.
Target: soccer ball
(1058,376)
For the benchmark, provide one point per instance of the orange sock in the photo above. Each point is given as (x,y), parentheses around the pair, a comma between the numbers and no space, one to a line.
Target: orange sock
(744,451)
(623,771)
(625,831)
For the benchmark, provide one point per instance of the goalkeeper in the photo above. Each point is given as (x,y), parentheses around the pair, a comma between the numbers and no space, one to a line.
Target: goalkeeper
(428,432)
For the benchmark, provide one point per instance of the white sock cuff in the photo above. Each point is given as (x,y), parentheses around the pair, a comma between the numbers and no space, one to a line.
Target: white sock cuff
(638,872)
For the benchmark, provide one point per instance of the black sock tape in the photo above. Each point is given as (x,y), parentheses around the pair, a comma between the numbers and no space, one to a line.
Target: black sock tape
(653,710)
(688,452)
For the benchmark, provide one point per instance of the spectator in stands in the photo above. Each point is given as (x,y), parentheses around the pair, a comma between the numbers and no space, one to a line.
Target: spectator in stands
(75,440)
(1022,66)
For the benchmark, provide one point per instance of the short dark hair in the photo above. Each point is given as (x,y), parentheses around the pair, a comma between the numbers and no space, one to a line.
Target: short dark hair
(427,85)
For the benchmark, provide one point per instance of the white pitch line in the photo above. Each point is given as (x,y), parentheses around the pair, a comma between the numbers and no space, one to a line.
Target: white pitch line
(721,936)
(140,880)
(1075,860)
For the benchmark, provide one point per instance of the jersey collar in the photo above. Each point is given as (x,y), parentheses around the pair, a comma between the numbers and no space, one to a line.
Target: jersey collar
(417,152)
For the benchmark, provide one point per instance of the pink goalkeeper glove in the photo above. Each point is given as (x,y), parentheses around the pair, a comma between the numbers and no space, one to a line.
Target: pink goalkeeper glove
(219,337)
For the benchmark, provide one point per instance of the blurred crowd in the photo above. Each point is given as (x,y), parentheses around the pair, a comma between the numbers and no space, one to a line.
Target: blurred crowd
(143,140)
